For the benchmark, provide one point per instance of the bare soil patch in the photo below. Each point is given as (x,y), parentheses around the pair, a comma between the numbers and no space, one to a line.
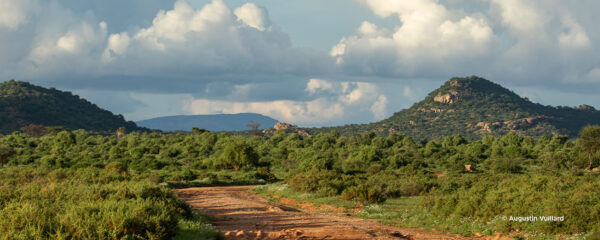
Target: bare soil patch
(240,214)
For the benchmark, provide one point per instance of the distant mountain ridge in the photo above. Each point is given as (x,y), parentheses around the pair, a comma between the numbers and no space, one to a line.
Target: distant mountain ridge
(22,103)
(474,107)
(213,122)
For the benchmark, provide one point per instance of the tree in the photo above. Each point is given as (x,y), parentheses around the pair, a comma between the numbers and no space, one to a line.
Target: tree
(120,132)
(34,129)
(5,153)
(254,127)
(589,138)
(54,130)
(237,156)
(198,131)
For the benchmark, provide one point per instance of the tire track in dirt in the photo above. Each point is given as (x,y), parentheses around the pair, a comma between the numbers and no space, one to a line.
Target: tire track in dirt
(241,214)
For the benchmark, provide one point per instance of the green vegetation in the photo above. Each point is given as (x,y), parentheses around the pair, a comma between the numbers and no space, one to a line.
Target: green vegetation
(22,104)
(475,107)
(80,185)
(74,185)
(590,142)
(62,184)
(90,203)
(428,184)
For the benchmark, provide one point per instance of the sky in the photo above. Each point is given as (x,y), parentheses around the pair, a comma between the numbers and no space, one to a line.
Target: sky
(306,62)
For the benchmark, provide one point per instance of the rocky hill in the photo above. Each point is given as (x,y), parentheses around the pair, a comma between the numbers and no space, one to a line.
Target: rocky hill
(285,127)
(474,107)
(22,104)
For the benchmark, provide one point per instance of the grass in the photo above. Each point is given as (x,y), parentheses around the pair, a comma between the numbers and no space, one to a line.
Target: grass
(407,212)
(212,178)
(282,191)
(199,228)
(204,183)
(92,203)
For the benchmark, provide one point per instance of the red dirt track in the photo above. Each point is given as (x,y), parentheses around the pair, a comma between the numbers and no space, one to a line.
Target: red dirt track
(240,214)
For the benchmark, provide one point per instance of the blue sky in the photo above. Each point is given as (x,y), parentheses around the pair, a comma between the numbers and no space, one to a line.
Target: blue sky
(308,62)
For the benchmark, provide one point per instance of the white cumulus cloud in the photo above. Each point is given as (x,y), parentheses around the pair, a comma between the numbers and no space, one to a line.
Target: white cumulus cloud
(315,84)
(548,43)
(187,47)
(574,35)
(253,15)
(430,35)
(117,45)
(13,14)
(359,101)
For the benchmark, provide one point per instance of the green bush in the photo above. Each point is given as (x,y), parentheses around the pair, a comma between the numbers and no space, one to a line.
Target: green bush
(364,194)
(322,182)
(504,165)
(237,157)
(485,198)
(83,204)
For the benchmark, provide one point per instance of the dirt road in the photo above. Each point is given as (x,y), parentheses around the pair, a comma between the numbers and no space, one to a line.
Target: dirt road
(244,215)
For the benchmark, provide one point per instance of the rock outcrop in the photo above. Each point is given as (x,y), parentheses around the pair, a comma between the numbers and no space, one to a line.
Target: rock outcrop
(517,124)
(448,98)
(288,128)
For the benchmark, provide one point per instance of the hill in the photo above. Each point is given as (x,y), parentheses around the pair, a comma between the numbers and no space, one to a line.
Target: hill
(216,122)
(22,103)
(474,107)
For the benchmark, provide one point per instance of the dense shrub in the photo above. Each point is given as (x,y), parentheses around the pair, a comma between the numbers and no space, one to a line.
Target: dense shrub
(322,182)
(494,196)
(504,165)
(64,204)
(364,193)
(237,157)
